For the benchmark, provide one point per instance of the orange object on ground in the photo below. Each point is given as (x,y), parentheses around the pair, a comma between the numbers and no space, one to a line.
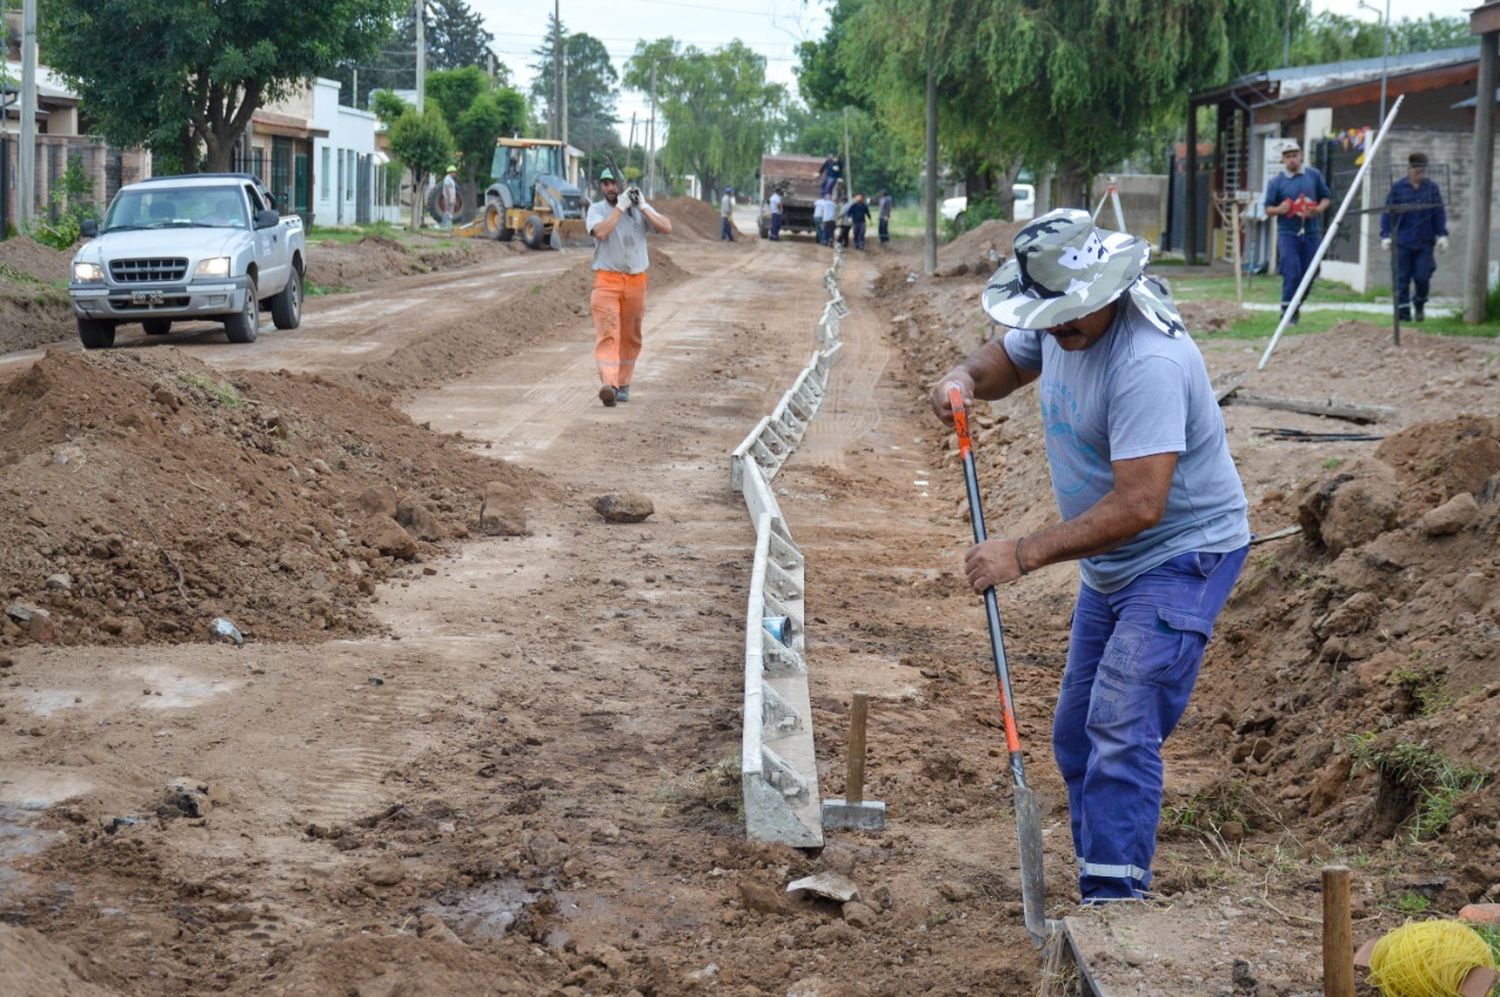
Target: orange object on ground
(1481,914)
(619,305)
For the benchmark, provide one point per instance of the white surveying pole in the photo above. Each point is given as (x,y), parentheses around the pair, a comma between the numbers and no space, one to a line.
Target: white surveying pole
(27,152)
(421,53)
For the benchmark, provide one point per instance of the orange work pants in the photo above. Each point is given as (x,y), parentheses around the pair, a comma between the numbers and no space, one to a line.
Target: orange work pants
(619,305)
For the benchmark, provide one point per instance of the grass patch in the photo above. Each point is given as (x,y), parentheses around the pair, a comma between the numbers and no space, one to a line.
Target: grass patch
(346,234)
(1424,685)
(1265,289)
(1491,935)
(909,220)
(1410,903)
(1262,325)
(1436,783)
(314,290)
(714,790)
(220,393)
(1332,463)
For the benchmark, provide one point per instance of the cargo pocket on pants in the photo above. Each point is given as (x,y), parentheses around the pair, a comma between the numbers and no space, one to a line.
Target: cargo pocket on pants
(1180,640)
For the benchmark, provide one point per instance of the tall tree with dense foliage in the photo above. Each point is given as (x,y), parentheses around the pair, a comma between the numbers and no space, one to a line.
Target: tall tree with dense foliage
(593,88)
(1329,37)
(718,110)
(184,78)
(456,37)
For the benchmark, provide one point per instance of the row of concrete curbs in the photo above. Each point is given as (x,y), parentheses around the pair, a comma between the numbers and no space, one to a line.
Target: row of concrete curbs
(778,767)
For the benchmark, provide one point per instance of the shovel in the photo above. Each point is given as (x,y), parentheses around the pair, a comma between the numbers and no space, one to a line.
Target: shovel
(1028,816)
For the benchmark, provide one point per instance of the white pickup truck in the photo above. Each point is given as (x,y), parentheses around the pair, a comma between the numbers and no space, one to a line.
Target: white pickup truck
(183,248)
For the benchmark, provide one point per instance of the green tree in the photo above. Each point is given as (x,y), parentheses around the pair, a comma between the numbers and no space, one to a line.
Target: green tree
(387,106)
(184,78)
(1329,37)
(593,88)
(455,36)
(423,144)
(719,111)
(480,112)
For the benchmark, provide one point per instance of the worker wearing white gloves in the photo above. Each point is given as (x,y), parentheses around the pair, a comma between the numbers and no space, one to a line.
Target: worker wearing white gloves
(1415,220)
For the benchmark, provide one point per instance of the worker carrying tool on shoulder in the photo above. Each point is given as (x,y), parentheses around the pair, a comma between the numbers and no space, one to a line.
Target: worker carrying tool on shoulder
(1152,509)
(618,224)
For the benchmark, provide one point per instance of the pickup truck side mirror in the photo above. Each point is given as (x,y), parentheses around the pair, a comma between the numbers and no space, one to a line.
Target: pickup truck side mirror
(88,228)
(267,218)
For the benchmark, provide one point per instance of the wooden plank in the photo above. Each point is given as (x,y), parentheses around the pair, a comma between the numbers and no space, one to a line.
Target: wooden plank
(1332,408)
(1227,384)
(1286,531)
(1338,933)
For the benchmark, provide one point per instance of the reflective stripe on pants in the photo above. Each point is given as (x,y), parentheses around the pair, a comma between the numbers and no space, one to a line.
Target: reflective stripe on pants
(1133,658)
(619,305)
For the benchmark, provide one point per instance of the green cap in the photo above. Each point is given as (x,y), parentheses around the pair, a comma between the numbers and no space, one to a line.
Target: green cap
(452,168)
(608,174)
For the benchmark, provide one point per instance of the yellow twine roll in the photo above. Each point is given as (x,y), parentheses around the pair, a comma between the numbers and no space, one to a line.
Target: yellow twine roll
(1427,959)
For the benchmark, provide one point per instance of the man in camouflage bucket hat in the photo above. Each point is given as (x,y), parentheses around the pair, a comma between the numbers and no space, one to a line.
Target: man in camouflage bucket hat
(1152,509)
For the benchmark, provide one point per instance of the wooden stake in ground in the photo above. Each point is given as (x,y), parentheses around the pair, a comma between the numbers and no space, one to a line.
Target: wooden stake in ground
(1338,933)
(854,811)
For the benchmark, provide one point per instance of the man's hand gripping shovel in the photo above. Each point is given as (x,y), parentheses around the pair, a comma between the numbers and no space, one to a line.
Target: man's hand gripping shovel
(1028,817)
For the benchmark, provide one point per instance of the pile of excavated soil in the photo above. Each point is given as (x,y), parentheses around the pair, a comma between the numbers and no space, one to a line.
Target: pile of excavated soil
(498,330)
(146,494)
(692,218)
(980,250)
(377,258)
(43,264)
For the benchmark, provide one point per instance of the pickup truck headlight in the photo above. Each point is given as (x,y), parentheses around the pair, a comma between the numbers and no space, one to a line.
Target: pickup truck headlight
(87,273)
(216,266)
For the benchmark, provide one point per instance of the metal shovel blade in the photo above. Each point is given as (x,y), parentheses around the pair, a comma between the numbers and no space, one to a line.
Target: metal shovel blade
(1033,884)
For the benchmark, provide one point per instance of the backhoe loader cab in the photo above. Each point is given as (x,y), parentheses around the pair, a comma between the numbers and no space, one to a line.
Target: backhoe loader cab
(531,194)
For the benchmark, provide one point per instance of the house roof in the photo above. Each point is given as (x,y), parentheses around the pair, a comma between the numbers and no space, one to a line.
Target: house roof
(49,86)
(1279,85)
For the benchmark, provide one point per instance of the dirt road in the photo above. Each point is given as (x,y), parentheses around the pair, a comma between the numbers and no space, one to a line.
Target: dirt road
(522,776)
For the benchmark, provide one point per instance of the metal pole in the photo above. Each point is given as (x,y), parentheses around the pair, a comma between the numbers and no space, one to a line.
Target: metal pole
(1312,268)
(1385,54)
(848,161)
(421,9)
(930,207)
(565,114)
(27,150)
(1476,277)
(1190,189)
(557,71)
(651,139)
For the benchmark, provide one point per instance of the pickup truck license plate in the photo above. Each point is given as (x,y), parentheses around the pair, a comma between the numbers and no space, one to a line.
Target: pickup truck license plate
(146,297)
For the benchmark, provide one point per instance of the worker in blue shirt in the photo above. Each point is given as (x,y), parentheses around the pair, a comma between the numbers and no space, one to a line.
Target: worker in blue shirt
(1418,223)
(1297,196)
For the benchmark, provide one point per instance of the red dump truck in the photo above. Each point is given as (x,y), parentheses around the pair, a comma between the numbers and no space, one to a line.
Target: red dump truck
(795,178)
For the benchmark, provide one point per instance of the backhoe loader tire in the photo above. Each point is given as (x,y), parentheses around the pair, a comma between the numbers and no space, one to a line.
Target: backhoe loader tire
(534,232)
(494,222)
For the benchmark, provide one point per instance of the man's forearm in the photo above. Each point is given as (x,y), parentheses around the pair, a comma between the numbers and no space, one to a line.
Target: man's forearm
(604,228)
(659,222)
(1110,522)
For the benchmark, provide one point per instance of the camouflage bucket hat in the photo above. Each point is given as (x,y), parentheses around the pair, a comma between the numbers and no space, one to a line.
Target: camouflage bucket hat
(1066,268)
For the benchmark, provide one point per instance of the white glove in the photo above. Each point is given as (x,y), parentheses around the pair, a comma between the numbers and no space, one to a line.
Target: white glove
(1442,244)
(1385,244)
(634,193)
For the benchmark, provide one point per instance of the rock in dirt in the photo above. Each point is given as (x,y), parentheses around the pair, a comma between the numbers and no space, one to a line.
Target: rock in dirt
(502,514)
(378,500)
(36,622)
(759,898)
(826,884)
(858,915)
(387,537)
(544,849)
(434,928)
(184,797)
(385,871)
(1480,914)
(1352,616)
(1450,517)
(623,507)
(1349,509)
(62,581)
(419,521)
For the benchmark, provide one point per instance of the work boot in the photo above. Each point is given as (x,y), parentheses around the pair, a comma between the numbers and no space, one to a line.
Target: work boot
(607,395)
(1403,313)
(1420,313)
(1295,315)
(622,393)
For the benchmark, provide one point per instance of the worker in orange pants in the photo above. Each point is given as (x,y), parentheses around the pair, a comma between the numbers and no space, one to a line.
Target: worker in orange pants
(619,305)
(618,223)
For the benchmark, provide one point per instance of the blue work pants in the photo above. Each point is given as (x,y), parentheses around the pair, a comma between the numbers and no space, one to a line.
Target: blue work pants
(1133,657)
(1413,265)
(725,231)
(859,235)
(1294,254)
(775,226)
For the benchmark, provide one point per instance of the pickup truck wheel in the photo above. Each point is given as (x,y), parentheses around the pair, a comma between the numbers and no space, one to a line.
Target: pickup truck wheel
(96,333)
(286,307)
(534,232)
(157,326)
(242,328)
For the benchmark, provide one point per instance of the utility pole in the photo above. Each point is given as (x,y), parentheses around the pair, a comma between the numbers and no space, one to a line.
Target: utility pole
(28,115)
(564,105)
(557,70)
(651,140)
(354,97)
(848,161)
(930,205)
(421,53)
(1476,268)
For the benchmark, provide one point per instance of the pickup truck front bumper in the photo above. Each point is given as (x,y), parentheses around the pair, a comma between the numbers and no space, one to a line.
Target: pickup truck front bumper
(205,299)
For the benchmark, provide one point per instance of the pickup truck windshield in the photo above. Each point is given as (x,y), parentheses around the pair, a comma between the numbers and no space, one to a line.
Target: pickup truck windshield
(183,207)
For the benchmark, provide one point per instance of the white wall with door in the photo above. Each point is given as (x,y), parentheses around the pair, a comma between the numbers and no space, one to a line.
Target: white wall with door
(345,188)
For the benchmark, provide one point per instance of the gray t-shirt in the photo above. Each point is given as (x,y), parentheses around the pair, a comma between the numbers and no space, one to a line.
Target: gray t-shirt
(1134,393)
(624,250)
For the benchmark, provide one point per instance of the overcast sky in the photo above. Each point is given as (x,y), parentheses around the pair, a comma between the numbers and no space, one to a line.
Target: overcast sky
(771,27)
